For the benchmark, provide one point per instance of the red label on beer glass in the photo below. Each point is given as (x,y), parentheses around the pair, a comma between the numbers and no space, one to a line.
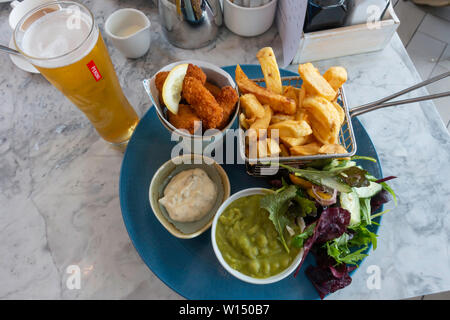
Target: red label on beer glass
(93,68)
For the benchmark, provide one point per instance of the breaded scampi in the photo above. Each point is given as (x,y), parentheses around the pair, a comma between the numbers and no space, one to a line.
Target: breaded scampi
(227,99)
(186,118)
(196,72)
(215,90)
(203,102)
(160,78)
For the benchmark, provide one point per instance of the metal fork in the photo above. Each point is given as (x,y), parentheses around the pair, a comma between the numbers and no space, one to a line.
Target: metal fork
(383,104)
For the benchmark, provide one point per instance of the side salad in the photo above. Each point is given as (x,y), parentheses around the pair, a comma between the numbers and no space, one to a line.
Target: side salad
(334,204)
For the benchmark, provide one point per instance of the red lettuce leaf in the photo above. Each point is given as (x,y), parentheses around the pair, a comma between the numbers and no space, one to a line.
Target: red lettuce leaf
(379,199)
(331,224)
(328,277)
(386,179)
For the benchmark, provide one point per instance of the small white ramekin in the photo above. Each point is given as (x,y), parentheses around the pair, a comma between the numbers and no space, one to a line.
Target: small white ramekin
(234,272)
(249,21)
(187,230)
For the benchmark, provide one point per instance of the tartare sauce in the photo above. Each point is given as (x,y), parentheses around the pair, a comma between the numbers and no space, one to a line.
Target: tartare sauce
(189,195)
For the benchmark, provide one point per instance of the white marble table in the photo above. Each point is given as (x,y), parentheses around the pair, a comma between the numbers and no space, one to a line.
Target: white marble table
(59,202)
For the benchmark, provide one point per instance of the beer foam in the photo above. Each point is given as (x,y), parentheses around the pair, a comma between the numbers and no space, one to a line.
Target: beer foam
(59,37)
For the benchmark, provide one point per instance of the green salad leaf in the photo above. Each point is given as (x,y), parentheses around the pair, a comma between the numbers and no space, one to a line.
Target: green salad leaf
(350,258)
(284,205)
(300,239)
(329,179)
(390,190)
(378,214)
(365,210)
(277,204)
(340,251)
(364,158)
(349,249)
(363,237)
(306,207)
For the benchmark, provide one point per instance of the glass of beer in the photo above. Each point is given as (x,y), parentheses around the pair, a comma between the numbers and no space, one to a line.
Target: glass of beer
(63,42)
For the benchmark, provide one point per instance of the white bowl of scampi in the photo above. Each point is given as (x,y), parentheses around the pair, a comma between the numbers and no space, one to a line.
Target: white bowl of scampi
(208,102)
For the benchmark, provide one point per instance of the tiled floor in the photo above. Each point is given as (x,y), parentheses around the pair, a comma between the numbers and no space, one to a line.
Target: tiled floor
(425,32)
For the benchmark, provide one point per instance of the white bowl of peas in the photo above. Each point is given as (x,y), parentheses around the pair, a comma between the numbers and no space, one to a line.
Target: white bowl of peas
(246,242)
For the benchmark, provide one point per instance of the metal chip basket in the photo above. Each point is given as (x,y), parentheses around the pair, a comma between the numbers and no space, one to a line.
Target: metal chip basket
(261,166)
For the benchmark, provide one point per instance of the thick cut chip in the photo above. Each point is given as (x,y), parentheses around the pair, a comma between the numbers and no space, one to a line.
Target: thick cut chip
(291,93)
(284,151)
(314,83)
(262,148)
(336,77)
(279,117)
(301,113)
(340,112)
(323,134)
(332,148)
(250,121)
(270,69)
(273,148)
(243,121)
(293,142)
(291,128)
(259,127)
(305,150)
(324,119)
(252,107)
(301,96)
(277,102)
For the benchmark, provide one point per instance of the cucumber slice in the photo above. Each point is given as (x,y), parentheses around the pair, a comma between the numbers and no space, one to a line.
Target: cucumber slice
(350,202)
(368,192)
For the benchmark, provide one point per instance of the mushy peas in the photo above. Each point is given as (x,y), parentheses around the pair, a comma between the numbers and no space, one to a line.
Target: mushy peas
(189,195)
(249,242)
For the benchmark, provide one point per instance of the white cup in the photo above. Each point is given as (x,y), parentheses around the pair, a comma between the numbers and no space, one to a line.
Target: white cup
(20,8)
(129,31)
(249,21)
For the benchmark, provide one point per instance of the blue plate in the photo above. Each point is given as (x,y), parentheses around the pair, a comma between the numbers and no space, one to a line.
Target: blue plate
(190,267)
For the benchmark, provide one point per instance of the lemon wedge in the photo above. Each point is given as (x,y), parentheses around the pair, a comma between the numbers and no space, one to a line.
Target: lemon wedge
(171,92)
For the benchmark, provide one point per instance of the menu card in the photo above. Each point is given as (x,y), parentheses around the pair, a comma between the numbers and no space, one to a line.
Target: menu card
(290,18)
